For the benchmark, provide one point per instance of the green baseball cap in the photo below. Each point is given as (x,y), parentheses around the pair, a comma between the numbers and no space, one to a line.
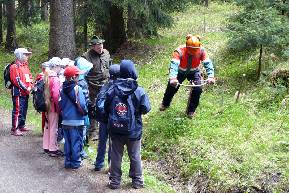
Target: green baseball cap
(96,40)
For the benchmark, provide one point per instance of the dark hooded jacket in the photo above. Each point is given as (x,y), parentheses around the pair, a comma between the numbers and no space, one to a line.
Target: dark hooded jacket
(72,104)
(127,85)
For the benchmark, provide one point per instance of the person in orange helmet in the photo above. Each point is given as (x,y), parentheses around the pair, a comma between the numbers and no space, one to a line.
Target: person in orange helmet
(185,64)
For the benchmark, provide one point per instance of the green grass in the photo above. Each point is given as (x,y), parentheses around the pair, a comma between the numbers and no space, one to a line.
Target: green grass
(228,146)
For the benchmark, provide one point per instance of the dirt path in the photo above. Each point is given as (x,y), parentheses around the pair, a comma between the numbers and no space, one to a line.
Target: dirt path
(25,168)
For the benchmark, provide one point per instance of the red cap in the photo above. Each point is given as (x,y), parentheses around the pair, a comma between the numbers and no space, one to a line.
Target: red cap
(71,71)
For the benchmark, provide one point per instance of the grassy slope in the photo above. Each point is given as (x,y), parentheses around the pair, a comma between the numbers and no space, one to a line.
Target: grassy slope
(227,146)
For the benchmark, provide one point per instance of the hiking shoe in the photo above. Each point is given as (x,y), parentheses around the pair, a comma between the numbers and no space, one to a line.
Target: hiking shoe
(16,132)
(24,129)
(190,115)
(56,153)
(163,107)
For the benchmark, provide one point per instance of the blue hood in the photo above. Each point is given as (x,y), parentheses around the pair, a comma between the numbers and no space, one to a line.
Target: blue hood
(114,71)
(127,69)
(124,87)
(68,89)
(126,84)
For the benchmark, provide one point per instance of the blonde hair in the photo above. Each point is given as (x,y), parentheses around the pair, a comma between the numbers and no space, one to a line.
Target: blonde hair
(47,95)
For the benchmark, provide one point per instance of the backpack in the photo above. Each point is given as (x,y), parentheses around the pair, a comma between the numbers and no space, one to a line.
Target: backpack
(7,79)
(38,96)
(99,111)
(121,117)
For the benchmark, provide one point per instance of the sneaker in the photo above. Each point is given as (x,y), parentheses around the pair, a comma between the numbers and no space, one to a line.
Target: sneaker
(24,129)
(56,153)
(98,169)
(190,115)
(113,186)
(75,168)
(137,185)
(46,151)
(16,132)
(162,107)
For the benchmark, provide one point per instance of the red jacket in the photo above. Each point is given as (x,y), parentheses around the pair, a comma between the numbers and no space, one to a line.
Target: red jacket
(184,63)
(21,78)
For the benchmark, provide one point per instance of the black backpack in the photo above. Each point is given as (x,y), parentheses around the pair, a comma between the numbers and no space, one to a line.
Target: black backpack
(38,96)
(7,79)
(99,110)
(121,119)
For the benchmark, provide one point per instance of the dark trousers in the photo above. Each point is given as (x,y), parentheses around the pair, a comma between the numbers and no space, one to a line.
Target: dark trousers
(195,94)
(133,149)
(19,112)
(93,92)
(73,145)
(101,148)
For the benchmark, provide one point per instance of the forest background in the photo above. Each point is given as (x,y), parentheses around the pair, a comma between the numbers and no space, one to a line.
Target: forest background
(238,142)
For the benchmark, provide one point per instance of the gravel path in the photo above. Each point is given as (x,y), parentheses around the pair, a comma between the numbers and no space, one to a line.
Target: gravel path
(24,168)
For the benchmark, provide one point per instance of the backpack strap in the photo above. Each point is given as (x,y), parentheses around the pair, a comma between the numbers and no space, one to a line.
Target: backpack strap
(76,103)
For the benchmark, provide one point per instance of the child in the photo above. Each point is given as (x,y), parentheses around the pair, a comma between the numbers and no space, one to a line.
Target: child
(84,66)
(103,130)
(51,93)
(40,76)
(134,103)
(73,109)
(22,84)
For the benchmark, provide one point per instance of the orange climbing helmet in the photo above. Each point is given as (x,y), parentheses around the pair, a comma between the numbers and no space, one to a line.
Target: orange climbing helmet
(193,43)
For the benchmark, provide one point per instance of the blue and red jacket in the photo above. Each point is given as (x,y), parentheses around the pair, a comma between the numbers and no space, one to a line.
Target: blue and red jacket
(182,62)
(21,79)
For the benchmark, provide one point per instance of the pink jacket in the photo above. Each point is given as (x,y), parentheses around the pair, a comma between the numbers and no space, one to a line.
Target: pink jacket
(54,87)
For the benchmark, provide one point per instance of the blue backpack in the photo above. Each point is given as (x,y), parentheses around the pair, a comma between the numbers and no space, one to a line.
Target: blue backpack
(121,117)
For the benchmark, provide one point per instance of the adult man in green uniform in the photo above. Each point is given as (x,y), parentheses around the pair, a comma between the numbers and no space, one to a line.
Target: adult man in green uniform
(97,76)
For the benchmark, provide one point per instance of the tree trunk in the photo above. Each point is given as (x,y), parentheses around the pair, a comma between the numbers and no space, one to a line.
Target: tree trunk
(44,10)
(133,24)
(206,3)
(283,11)
(130,22)
(61,35)
(1,24)
(11,43)
(24,8)
(114,33)
(85,39)
(260,62)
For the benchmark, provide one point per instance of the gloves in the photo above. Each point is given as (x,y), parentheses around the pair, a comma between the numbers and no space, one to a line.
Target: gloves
(211,80)
(174,82)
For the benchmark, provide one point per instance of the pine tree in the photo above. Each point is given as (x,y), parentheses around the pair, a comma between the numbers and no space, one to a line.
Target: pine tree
(258,26)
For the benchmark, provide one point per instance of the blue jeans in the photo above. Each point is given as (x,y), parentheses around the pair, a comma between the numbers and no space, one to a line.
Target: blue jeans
(101,149)
(72,146)
(83,154)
